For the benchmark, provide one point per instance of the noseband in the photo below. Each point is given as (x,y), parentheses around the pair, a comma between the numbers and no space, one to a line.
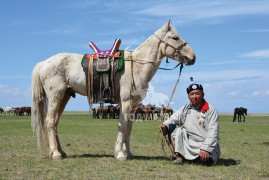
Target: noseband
(177,49)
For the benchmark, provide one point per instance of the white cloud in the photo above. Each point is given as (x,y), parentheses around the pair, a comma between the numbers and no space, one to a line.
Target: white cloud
(13,77)
(233,93)
(14,96)
(155,98)
(264,53)
(257,30)
(255,93)
(205,10)
(7,91)
(64,29)
(183,11)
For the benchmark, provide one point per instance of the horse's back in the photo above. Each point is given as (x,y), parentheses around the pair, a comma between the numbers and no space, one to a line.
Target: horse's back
(63,70)
(63,61)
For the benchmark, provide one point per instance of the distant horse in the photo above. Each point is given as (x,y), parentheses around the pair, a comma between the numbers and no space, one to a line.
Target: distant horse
(149,110)
(1,111)
(94,115)
(102,111)
(139,111)
(158,111)
(56,79)
(113,111)
(9,111)
(21,111)
(167,110)
(18,111)
(27,110)
(240,112)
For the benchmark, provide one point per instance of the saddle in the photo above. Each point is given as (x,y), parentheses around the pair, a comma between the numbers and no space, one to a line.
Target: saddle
(106,53)
(100,69)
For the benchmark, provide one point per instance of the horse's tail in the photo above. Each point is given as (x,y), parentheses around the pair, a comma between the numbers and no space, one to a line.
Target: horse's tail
(39,109)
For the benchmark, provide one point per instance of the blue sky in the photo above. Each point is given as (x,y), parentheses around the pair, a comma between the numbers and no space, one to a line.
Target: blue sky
(230,38)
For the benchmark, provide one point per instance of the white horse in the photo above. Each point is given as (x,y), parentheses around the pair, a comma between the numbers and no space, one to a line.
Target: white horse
(55,79)
(9,111)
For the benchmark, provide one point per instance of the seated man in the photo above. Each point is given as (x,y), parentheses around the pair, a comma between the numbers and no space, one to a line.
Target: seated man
(196,132)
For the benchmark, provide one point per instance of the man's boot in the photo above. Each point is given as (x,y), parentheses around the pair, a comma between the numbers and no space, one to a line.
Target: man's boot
(179,159)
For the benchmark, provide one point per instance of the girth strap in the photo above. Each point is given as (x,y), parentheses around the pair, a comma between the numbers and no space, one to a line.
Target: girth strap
(90,83)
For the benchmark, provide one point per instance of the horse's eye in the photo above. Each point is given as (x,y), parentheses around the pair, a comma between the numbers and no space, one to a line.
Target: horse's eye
(175,38)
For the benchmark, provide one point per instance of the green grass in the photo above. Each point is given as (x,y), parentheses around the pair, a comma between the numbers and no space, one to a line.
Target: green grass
(89,144)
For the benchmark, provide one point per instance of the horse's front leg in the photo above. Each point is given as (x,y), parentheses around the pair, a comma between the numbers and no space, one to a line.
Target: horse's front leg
(126,145)
(122,147)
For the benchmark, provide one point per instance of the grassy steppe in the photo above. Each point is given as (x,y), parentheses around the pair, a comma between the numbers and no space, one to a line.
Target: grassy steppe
(89,144)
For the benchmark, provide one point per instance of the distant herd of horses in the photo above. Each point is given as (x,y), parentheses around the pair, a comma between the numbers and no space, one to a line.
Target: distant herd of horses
(238,113)
(143,112)
(18,111)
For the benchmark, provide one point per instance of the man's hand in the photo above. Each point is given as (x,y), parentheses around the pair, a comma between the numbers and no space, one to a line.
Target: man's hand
(204,155)
(163,129)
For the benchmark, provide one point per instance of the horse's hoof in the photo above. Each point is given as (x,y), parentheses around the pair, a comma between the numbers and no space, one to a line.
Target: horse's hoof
(121,157)
(57,158)
(64,155)
(130,155)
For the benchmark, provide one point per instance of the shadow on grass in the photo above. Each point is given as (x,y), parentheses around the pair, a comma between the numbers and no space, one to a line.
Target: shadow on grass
(221,162)
(90,156)
(112,156)
(228,162)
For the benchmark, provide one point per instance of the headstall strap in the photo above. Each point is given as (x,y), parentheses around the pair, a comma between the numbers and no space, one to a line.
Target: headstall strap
(184,43)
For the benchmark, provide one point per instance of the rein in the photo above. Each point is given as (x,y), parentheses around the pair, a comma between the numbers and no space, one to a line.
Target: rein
(165,139)
(143,62)
(171,68)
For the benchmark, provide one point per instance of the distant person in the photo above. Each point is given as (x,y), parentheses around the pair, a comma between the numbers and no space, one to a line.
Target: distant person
(194,129)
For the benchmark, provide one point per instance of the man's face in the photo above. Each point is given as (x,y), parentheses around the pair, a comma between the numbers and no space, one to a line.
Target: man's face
(196,97)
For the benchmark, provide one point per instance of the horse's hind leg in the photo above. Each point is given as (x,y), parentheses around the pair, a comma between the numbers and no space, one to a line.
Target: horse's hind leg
(60,111)
(52,118)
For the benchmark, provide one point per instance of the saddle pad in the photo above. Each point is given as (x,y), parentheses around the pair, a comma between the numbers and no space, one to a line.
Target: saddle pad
(102,65)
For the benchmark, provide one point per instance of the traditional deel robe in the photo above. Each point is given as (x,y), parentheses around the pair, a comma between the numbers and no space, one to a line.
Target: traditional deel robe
(196,129)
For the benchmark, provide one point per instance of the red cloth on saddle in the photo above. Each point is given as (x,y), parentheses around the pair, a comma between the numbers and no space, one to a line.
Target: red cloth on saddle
(95,56)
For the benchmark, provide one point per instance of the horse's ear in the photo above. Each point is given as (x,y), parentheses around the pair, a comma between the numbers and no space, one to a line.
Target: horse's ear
(170,22)
(168,25)
(164,29)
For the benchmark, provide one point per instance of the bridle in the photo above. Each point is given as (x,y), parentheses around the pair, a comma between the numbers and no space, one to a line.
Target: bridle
(177,52)
(177,49)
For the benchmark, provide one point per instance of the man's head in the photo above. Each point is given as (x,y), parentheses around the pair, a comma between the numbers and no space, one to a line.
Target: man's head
(195,94)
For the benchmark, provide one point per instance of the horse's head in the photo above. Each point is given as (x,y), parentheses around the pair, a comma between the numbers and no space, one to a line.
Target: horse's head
(244,110)
(173,46)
